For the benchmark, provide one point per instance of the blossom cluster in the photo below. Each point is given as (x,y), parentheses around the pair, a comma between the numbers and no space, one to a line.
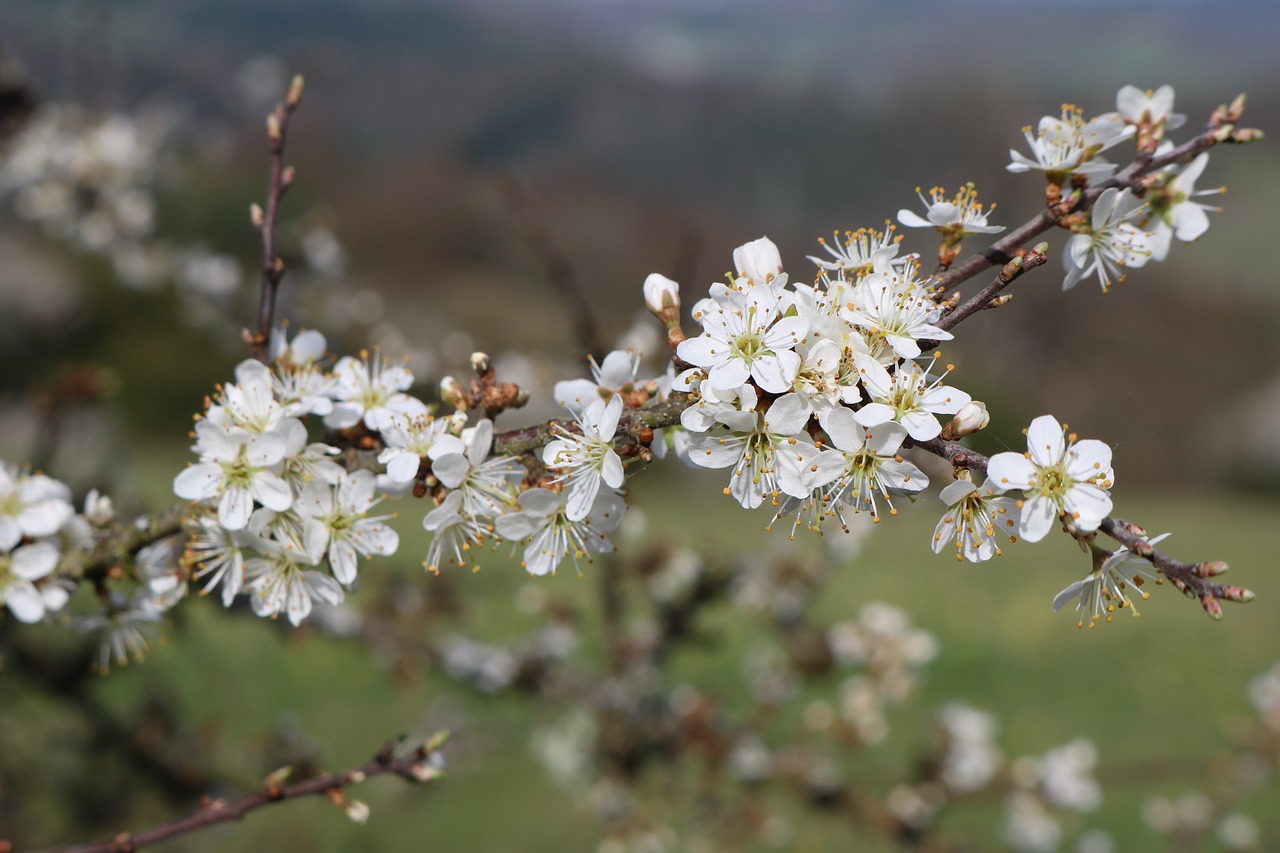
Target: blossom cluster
(273,509)
(1121,230)
(809,392)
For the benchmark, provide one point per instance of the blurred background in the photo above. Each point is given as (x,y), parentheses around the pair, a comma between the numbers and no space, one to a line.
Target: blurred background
(445,150)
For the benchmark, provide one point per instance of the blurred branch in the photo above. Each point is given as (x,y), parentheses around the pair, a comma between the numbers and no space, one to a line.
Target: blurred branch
(557,267)
(281,179)
(421,765)
(123,542)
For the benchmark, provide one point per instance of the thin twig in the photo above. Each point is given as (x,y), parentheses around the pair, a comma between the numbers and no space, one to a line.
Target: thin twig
(280,179)
(556,265)
(420,765)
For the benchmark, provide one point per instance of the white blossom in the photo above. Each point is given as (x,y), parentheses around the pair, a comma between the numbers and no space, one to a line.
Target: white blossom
(342,511)
(236,469)
(976,516)
(956,217)
(487,485)
(1112,585)
(370,389)
(908,397)
(550,535)
(19,569)
(31,505)
(1138,106)
(1111,243)
(862,467)
(586,459)
(746,338)
(1070,145)
(1056,476)
(767,451)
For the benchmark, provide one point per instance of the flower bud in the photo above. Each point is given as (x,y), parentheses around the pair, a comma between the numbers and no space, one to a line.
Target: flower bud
(480,362)
(660,292)
(972,417)
(758,260)
(357,811)
(452,392)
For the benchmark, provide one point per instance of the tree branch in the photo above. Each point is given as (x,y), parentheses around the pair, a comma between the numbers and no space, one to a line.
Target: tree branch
(280,180)
(421,765)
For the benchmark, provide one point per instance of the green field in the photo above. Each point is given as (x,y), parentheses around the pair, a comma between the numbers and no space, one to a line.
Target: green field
(1159,695)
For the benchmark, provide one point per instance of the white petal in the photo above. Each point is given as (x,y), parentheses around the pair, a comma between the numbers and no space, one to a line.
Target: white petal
(579,497)
(913,220)
(342,559)
(451,469)
(1071,592)
(1038,515)
(1189,221)
(235,507)
(1087,505)
(32,562)
(612,471)
(24,601)
(921,426)
(403,465)
(271,491)
(788,415)
(1045,441)
(198,482)
(1087,459)
(1011,471)
(875,413)
(729,375)
(703,351)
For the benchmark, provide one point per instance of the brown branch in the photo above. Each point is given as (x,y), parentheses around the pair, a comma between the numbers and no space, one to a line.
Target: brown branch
(420,765)
(556,265)
(1193,579)
(513,442)
(281,178)
(1008,273)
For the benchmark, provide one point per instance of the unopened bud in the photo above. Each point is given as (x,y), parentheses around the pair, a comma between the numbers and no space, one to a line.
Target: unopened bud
(1247,134)
(1224,133)
(294,95)
(1238,594)
(358,812)
(660,292)
(452,392)
(758,260)
(437,741)
(1011,269)
(1212,606)
(275,780)
(424,771)
(273,129)
(256,216)
(1002,299)
(972,417)
(1236,110)
(481,363)
(287,176)
(1212,569)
